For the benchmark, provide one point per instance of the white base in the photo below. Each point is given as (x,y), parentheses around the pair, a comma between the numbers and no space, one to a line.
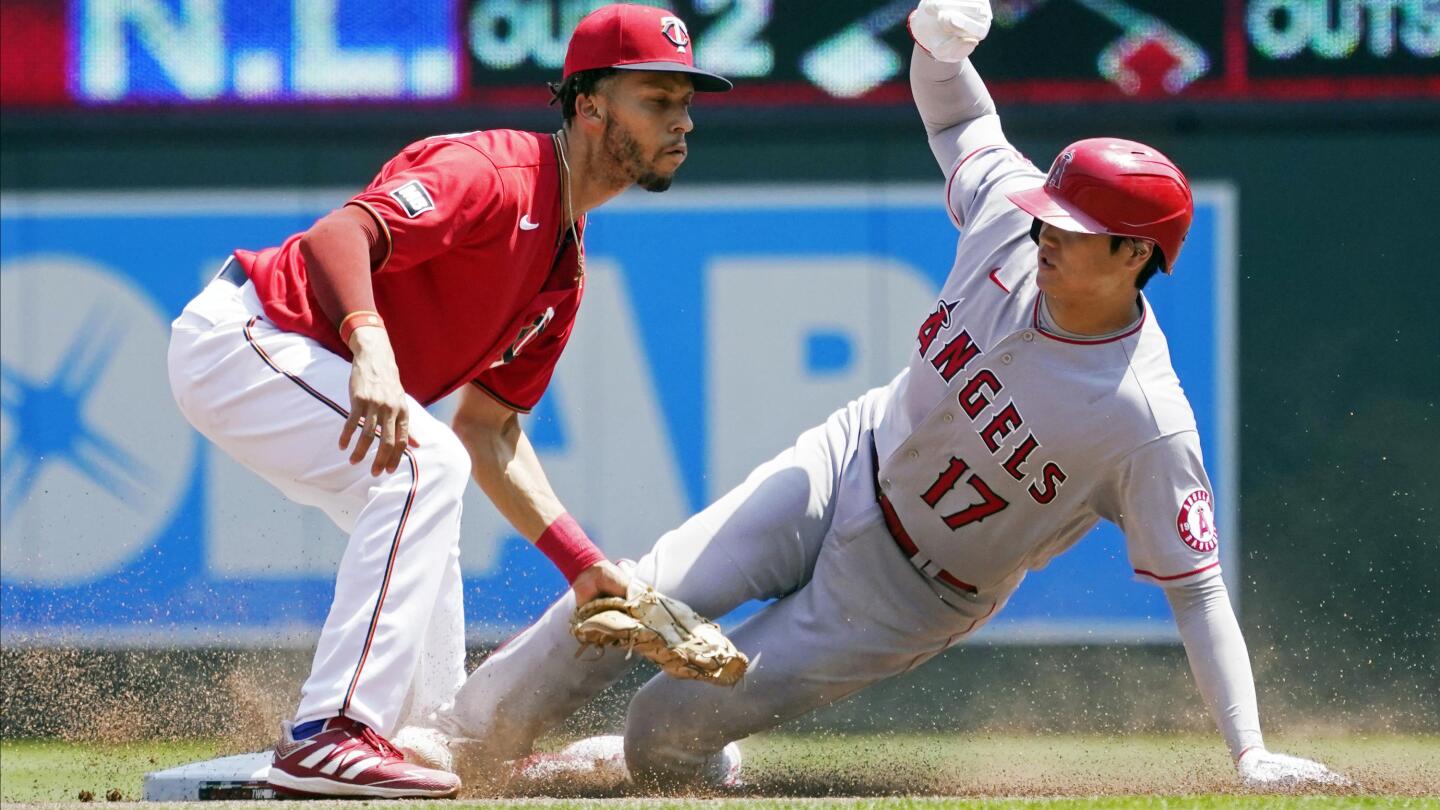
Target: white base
(238,778)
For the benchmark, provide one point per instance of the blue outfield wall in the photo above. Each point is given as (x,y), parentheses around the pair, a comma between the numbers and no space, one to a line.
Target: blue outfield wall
(719,323)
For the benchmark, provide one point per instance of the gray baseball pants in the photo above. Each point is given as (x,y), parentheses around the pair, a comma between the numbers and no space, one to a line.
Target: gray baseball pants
(803,530)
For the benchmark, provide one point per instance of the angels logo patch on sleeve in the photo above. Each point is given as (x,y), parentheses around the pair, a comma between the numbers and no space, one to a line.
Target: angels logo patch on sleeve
(1196,522)
(413,198)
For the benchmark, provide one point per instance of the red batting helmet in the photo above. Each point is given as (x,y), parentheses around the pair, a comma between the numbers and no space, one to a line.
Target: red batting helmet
(1116,187)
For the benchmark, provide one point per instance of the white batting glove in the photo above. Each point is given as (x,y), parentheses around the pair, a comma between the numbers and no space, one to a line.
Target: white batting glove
(949,30)
(1261,770)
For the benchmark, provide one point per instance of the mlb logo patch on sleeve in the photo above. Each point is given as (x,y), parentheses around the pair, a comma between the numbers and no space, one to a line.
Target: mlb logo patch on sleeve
(413,198)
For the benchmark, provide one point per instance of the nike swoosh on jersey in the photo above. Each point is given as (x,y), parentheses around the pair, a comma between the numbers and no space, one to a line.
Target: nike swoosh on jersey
(527,225)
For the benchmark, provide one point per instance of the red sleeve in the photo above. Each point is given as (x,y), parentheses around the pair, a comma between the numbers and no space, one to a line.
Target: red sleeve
(429,198)
(519,384)
(339,268)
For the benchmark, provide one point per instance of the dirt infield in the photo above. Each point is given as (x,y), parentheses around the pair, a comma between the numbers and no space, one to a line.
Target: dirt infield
(983,765)
(815,766)
(124,696)
(240,695)
(101,708)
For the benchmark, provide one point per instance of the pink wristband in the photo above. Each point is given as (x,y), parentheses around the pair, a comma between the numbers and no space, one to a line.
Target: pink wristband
(565,543)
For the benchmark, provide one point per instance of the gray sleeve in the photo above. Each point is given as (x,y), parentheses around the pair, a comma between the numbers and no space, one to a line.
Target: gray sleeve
(966,138)
(1218,659)
(957,110)
(1159,495)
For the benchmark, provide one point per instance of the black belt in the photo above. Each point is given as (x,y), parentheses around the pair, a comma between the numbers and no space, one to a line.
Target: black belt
(233,272)
(902,538)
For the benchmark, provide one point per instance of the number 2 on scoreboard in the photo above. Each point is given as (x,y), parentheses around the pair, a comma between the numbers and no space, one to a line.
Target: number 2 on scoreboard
(732,44)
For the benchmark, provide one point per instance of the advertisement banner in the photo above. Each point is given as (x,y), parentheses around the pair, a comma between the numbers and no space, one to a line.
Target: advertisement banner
(719,323)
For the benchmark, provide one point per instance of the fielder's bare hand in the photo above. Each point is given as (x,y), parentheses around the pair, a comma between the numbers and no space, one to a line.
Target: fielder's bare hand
(601,579)
(377,400)
(1262,770)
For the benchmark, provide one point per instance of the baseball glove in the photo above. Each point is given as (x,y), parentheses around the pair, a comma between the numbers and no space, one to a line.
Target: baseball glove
(683,643)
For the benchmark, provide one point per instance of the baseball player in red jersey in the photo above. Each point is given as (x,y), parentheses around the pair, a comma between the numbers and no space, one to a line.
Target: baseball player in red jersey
(1039,399)
(460,267)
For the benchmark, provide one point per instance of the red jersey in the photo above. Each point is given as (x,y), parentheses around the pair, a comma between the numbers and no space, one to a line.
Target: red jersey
(479,282)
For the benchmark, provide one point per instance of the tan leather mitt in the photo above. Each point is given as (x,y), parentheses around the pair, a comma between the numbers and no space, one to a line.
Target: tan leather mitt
(682,642)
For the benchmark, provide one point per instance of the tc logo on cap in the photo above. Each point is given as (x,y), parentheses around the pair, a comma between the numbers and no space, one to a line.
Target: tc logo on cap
(674,30)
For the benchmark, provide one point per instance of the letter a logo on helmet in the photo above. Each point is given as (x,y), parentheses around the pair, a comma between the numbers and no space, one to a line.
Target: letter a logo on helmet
(674,30)
(1057,169)
(1115,187)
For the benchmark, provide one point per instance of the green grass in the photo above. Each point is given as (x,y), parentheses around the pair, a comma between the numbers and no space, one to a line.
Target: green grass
(995,772)
(58,771)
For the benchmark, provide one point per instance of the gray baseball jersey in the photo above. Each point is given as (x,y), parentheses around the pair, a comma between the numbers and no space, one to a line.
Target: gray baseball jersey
(1005,441)
(997,447)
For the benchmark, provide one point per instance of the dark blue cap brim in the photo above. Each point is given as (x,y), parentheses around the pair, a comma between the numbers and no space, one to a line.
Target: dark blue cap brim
(704,81)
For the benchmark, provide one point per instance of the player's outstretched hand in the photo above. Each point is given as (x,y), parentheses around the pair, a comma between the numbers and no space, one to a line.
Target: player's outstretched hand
(949,30)
(377,400)
(1262,770)
(601,579)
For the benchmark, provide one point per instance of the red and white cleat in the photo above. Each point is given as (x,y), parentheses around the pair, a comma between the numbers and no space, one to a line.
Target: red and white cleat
(348,759)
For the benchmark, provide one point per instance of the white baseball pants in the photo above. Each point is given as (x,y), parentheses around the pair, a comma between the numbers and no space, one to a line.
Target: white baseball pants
(804,530)
(276,401)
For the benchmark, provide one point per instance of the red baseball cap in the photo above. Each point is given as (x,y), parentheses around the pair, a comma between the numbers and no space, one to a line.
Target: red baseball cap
(633,37)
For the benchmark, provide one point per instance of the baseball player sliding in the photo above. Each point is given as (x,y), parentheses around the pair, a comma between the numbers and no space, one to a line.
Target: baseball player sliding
(460,267)
(1039,399)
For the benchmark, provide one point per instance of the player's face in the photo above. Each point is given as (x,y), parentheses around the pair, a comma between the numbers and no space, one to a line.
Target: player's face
(1082,266)
(647,118)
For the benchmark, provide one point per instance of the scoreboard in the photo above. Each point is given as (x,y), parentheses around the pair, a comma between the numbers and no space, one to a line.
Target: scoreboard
(1038,50)
(107,53)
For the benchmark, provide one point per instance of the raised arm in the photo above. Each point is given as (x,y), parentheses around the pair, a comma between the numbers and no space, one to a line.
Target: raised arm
(947,94)
(958,112)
